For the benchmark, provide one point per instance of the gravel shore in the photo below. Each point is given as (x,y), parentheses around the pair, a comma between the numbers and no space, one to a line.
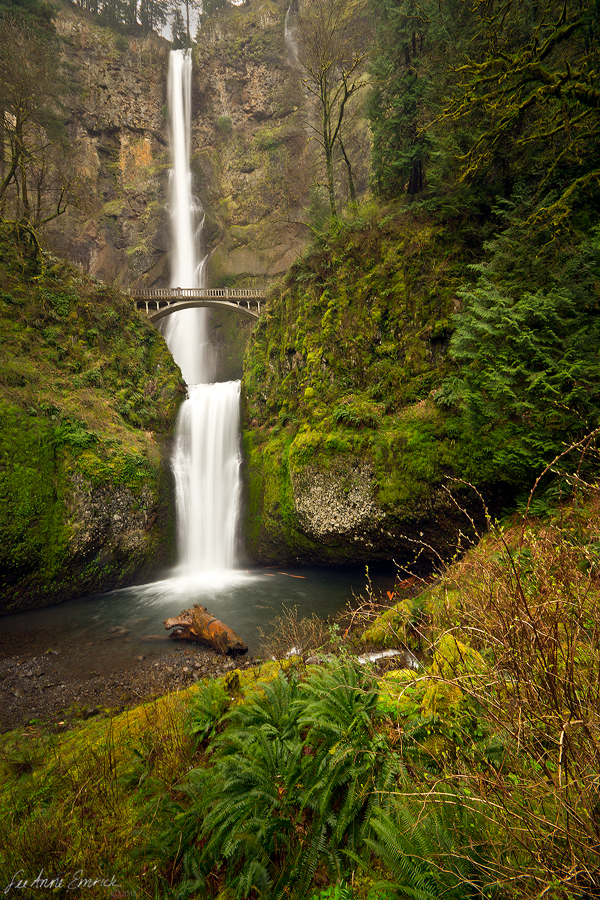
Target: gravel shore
(49,689)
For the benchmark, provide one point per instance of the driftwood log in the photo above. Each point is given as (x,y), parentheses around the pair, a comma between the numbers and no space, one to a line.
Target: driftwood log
(197,624)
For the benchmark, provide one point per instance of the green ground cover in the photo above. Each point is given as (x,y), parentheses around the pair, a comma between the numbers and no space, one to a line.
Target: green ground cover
(88,395)
(474,774)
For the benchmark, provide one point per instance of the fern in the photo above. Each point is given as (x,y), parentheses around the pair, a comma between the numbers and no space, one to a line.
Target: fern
(432,854)
(289,786)
(301,778)
(210,703)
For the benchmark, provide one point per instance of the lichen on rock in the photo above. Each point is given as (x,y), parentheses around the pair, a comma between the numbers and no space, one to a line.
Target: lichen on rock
(328,503)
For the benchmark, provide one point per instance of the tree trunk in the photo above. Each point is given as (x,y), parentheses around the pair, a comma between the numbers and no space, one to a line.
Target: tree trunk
(328,147)
(351,190)
(415,182)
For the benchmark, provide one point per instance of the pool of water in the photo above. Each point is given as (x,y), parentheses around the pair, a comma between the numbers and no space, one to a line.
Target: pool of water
(106,632)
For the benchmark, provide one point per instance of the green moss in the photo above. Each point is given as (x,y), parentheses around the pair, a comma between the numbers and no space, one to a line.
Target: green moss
(88,393)
(113,208)
(402,623)
(31,479)
(350,355)
(454,664)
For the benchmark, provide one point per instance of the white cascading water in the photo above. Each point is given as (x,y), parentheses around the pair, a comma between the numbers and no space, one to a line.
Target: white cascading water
(289,32)
(206,459)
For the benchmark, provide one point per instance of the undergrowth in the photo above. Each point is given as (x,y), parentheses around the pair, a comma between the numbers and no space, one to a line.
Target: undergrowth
(472,774)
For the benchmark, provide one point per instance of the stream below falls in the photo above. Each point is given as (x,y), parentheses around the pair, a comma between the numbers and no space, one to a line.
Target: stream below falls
(104,633)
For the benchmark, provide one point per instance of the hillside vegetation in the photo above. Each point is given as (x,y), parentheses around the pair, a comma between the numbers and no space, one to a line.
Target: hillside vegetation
(340,382)
(448,330)
(451,330)
(88,396)
(472,775)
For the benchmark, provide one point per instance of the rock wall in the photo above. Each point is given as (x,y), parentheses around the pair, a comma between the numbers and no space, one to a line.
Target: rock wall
(252,157)
(251,154)
(117,228)
(88,397)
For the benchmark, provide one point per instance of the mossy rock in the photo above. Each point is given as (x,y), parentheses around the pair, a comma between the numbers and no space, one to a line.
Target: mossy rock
(456,669)
(400,693)
(86,495)
(346,363)
(399,624)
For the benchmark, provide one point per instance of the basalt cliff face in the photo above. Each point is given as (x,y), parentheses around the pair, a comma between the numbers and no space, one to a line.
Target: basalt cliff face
(118,230)
(250,149)
(347,456)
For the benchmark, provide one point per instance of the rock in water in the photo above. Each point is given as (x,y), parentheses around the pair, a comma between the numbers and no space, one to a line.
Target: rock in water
(197,624)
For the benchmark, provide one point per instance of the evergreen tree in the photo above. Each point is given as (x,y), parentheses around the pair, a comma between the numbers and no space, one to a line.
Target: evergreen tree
(527,346)
(415,46)
(178,30)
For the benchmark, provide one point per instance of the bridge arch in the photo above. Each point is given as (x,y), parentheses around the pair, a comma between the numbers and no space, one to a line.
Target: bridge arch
(194,304)
(161,302)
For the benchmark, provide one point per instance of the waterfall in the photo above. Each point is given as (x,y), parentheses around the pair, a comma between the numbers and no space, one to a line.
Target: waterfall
(206,467)
(185,331)
(206,458)
(289,32)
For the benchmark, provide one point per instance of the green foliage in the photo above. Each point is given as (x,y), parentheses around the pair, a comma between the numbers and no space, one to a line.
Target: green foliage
(289,784)
(210,7)
(535,80)
(409,68)
(528,363)
(70,800)
(335,892)
(355,339)
(126,18)
(74,435)
(334,782)
(357,411)
(319,212)
(29,523)
(433,855)
(223,125)
(209,705)
(82,377)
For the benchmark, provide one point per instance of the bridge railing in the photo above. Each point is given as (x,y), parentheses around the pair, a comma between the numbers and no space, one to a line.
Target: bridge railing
(159,302)
(193,293)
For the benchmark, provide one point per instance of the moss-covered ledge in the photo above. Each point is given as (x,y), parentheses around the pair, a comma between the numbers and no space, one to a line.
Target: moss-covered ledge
(348,457)
(88,396)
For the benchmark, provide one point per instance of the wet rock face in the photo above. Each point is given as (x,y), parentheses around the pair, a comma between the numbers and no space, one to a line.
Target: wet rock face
(314,515)
(111,518)
(251,152)
(119,134)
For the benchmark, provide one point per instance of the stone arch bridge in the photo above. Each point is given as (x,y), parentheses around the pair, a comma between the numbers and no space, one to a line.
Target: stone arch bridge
(161,302)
